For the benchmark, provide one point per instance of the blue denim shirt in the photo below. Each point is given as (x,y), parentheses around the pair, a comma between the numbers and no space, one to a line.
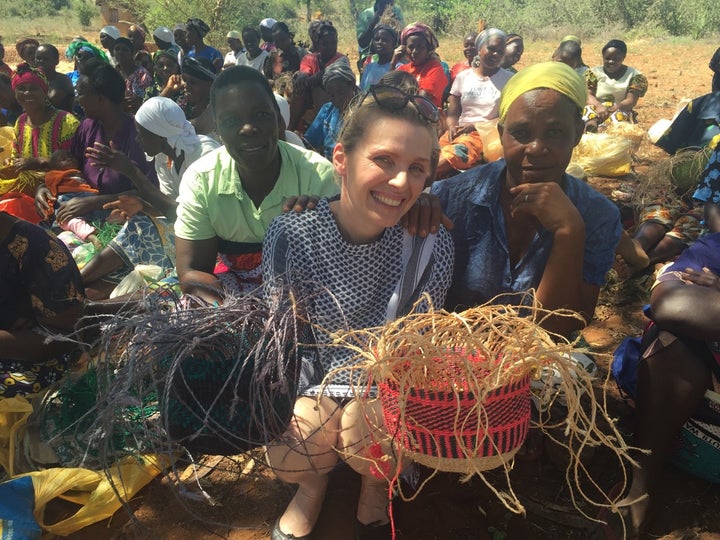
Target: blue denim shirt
(482,255)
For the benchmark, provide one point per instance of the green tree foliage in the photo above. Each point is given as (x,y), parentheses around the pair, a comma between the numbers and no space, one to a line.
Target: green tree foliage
(694,18)
(533,18)
(224,15)
(85,12)
(25,9)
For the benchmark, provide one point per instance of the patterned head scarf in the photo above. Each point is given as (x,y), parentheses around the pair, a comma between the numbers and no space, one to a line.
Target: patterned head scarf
(487,34)
(198,25)
(339,70)
(78,46)
(422,29)
(26,74)
(163,117)
(552,75)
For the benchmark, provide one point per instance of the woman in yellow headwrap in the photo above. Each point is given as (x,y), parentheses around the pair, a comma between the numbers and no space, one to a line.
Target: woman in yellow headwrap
(521,223)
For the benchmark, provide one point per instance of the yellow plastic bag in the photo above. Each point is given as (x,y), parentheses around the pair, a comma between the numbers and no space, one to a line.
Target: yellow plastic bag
(139,278)
(91,489)
(492,148)
(14,413)
(602,154)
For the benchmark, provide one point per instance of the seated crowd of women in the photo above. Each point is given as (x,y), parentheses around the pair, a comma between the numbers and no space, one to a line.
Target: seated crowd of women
(210,203)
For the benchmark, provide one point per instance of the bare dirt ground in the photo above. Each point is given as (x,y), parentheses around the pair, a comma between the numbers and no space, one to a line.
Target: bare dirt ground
(247,505)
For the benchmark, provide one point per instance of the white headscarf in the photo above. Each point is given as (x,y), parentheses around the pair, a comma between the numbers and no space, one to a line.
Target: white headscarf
(163,33)
(163,117)
(111,31)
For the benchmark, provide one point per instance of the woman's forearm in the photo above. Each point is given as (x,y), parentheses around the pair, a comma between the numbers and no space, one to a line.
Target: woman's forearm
(202,285)
(628,104)
(365,38)
(28,346)
(151,194)
(562,285)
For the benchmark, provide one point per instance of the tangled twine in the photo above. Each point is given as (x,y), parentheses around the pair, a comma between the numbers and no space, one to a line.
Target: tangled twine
(155,390)
(472,354)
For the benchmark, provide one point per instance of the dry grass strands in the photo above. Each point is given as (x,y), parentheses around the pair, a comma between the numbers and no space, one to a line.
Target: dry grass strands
(673,178)
(455,391)
(632,132)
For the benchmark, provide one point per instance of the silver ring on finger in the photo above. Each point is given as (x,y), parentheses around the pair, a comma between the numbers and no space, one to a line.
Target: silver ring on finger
(527,196)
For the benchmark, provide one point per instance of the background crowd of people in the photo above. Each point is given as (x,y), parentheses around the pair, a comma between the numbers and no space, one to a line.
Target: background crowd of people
(187,159)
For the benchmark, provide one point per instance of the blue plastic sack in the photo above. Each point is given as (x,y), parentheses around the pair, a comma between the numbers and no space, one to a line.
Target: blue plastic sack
(17,502)
(625,365)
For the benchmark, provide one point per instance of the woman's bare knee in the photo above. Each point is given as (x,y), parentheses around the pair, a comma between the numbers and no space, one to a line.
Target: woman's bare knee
(308,447)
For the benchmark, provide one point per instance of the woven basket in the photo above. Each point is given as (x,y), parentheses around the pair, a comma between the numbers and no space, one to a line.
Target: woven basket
(213,406)
(445,427)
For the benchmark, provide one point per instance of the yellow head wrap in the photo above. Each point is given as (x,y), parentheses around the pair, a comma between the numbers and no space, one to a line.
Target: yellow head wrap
(553,75)
(571,37)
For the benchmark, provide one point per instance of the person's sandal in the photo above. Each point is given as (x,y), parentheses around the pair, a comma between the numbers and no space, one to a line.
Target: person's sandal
(277,534)
(372,531)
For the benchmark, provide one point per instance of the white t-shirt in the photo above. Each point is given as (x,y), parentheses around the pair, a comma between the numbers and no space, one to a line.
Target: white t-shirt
(479,96)
(231,59)
(255,63)
(613,90)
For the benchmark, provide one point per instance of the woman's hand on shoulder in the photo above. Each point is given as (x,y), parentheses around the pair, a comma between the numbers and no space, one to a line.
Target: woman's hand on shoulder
(547,202)
(426,216)
(300,203)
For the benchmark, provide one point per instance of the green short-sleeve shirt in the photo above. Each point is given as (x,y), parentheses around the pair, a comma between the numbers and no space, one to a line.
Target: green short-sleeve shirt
(212,201)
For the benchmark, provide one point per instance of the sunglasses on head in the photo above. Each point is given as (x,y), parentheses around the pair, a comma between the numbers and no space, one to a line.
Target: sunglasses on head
(394,99)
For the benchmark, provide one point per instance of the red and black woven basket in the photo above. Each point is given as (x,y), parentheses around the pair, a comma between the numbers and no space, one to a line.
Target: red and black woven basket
(446,427)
